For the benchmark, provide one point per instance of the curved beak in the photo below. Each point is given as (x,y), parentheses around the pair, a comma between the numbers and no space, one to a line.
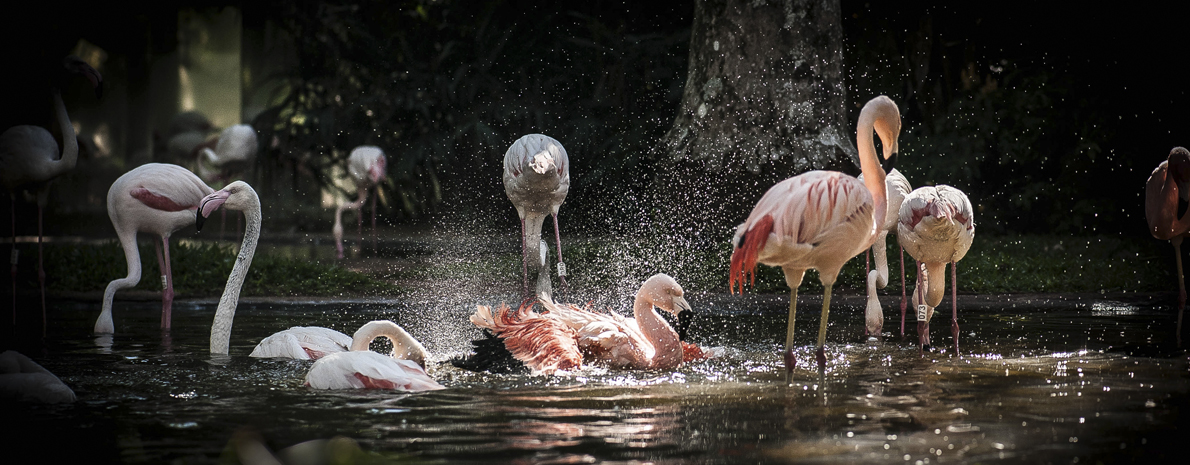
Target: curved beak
(890,161)
(681,304)
(209,204)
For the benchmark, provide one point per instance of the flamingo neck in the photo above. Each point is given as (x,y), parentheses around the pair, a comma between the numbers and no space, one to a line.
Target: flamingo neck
(535,260)
(70,144)
(221,326)
(667,347)
(874,176)
(404,345)
(935,282)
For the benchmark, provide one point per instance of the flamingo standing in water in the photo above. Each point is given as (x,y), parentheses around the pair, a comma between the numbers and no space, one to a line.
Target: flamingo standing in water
(936,226)
(302,343)
(819,219)
(1168,186)
(897,187)
(241,197)
(366,164)
(565,335)
(29,159)
(155,198)
(536,180)
(360,368)
(23,379)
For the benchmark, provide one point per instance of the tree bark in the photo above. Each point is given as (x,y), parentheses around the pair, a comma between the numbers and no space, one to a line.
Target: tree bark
(764,101)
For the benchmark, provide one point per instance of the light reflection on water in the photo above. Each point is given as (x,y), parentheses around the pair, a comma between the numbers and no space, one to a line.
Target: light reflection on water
(1033,386)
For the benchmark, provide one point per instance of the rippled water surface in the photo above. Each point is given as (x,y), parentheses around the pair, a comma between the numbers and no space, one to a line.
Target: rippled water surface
(1038,381)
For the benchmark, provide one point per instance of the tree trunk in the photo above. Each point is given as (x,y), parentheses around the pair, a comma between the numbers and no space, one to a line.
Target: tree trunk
(764,101)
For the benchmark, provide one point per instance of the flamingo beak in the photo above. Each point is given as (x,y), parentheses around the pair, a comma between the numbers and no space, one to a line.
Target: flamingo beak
(685,318)
(209,204)
(890,161)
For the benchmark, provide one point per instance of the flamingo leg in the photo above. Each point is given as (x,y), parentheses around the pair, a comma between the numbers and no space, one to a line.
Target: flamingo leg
(1177,250)
(359,217)
(790,360)
(954,305)
(923,323)
(524,262)
(904,303)
(167,283)
(561,266)
(826,310)
(374,220)
(13,254)
(41,269)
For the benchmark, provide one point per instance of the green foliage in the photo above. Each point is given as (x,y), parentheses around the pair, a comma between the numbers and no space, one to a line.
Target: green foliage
(201,270)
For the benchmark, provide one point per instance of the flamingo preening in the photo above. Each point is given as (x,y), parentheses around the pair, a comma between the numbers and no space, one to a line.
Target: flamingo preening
(302,343)
(366,164)
(236,196)
(1167,187)
(155,198)
(29,159)
(936,226)
(897,187)
(360,368)
(536,180)
(565,336)
(819,219)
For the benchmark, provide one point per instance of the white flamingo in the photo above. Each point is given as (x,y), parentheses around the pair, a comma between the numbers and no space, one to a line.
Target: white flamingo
(360,368)
(897,187)
(536,180)
(29,159)
(235,149)
(366,165)
(23,379)
(236,196)
(936,227)
(302,343)
(155,198)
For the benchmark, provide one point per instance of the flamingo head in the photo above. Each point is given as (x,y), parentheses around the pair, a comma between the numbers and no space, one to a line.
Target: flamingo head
(236,196)
(377,169)
(76,65)
(1179,169)
(664,292)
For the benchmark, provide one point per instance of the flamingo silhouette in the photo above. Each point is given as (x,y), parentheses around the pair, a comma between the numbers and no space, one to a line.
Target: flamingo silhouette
(1167,187)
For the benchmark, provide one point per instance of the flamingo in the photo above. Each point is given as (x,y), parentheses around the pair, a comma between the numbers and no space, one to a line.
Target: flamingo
(302,343)
(29,159)
(236,196)
(1168,186)
(366,164)
(819,219)
(227,157)
(155,198)
(565,335)
(897,187)
(536,179)
(23,379)
(936,226)
(360,368)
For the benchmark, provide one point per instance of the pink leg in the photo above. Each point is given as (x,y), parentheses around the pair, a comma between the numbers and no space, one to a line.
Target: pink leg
(1177,250)
(167,287)
(923,325)
(41,270)
(524,263)
(558,241)
(904,302)
(954,305)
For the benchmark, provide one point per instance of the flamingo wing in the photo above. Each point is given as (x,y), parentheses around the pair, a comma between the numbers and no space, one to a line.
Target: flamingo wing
(167,187)
(368,370)
(609,338)
(302,343)
(545,345)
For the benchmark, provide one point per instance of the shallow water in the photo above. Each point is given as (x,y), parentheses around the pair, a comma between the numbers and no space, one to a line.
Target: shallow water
(1087,381)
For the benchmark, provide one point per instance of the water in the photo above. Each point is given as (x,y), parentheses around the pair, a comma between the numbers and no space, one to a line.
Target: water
(1087,380)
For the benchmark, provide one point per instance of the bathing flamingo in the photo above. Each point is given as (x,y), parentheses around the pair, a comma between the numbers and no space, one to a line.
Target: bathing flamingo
(897,188)
(565,335)
(29,159)
(536,180)
(360,368)
(819,219)
(155,198)
(302,343)
(1168,186)
(366,164)
(236,196)
(936,226)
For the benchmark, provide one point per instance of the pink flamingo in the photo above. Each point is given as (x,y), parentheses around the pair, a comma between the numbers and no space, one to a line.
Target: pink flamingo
(565,335)
(1169,184)
(302,343)
(360,368)
(819,219)
(29,159)
(897,187)
(536,180)
(155,198)
(366,164)
(226,158)
(936,227)
(241,197)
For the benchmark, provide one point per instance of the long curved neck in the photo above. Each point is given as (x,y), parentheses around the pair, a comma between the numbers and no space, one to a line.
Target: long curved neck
(663,337)
(221,327)
(870,165)
(70,144)
(404,345)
